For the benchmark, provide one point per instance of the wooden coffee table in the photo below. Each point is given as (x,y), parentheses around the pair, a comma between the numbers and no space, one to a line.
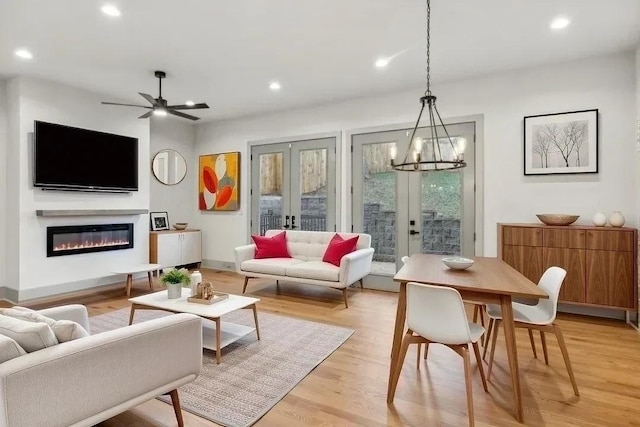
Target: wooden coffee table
(219,333)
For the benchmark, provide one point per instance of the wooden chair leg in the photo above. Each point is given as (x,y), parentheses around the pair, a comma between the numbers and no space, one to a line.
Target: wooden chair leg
(476,350)
(246,280)
(361,284)
(345,294)
(544,347)
(175,400)
(150,280)
(426,350)
(487,337)
(565,356)
(467,380)
(496,328)
(418,354)
(533,344)
(475,313)
(396,373)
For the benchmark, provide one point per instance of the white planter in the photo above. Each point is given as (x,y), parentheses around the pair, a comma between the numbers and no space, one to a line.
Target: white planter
(174,290)
(616,219)
(599,219)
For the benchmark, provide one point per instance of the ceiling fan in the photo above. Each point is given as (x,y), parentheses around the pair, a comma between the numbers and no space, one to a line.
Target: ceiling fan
(159,105)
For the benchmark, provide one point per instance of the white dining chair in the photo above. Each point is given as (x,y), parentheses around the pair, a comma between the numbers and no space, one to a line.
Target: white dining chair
(436,314)
(539,317)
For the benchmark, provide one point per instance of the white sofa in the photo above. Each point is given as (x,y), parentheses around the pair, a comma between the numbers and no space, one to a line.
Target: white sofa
(88,380)
(305,265)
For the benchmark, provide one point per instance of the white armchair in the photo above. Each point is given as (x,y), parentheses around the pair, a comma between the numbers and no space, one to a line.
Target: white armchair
(91,379)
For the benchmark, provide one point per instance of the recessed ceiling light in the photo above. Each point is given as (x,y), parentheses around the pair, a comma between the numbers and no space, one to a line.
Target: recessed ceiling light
(275,86)
(111,10)
(189,103)
(23,53)
(161,112)
(382,62)
(559,22)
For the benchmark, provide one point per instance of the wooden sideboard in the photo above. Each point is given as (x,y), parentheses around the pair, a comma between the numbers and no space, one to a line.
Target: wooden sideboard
(601,262)
(175,247)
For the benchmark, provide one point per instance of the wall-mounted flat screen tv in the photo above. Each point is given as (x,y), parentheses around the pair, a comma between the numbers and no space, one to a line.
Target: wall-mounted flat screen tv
(69,158)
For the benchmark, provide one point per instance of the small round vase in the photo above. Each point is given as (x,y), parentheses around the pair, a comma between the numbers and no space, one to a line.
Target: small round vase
(174,290)
(599,219)
(616,219)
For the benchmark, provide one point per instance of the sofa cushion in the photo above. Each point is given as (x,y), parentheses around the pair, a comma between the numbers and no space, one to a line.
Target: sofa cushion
(31,336)
(339,247)
(271,247)
(9,349)
(276,266)
(318,270)
(64,330)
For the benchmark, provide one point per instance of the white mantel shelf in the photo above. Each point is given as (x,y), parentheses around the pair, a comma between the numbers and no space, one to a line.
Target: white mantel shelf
(90,212)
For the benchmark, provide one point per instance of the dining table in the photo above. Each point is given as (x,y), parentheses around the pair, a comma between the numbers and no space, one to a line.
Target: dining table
(489,280)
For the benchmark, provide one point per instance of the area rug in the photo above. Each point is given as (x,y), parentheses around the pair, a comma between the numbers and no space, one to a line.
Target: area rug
(253,375)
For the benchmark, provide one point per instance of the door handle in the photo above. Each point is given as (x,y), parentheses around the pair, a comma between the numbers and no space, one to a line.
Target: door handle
(293,222)
(413,232)
(286,222)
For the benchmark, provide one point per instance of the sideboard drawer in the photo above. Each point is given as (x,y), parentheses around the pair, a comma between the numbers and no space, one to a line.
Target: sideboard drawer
(522,236)
(611,240)
(564,238)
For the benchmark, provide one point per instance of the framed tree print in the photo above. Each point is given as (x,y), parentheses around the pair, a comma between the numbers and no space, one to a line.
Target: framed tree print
(561,143)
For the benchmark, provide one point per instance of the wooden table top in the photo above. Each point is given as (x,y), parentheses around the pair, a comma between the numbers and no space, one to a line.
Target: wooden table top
(488,275)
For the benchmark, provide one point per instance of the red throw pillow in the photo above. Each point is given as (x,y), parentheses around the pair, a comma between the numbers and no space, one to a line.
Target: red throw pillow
(271,247)
(339,247)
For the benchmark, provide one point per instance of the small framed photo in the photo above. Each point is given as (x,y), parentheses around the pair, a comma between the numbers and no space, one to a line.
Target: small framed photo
(561,143)
(159,221)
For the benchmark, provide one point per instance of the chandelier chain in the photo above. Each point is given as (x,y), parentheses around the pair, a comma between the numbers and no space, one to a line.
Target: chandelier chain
(428,91)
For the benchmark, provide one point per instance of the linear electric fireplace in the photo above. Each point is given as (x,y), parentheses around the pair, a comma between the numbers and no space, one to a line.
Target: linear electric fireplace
(80,239)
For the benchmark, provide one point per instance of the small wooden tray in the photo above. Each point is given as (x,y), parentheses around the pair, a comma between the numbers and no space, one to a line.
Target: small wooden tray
(217,297)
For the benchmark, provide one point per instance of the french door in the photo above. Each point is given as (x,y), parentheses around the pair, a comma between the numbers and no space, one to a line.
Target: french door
(412,212)
(293,186)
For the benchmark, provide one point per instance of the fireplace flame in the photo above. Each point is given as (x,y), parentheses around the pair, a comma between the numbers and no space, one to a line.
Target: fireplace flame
(89,244)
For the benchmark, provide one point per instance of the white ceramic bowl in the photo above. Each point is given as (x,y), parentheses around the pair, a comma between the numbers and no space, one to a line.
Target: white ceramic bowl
(457,262)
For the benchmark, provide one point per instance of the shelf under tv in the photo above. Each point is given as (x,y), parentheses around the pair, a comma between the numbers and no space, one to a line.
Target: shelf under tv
(90,212)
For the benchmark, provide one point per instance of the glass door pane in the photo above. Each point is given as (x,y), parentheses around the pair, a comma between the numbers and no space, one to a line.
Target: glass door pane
(270,184)
(313,186)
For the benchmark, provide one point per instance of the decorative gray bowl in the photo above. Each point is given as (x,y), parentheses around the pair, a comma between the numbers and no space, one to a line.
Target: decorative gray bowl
(180,225)
(557,219)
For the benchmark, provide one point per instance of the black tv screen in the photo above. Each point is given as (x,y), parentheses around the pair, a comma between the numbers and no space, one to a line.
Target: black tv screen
(81,159)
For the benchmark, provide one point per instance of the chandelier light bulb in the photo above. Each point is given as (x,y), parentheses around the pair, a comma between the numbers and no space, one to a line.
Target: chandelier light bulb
(461,145)
(418,145)
(393,152)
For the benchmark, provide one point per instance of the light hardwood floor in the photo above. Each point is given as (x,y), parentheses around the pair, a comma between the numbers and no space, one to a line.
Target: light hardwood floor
(349,387)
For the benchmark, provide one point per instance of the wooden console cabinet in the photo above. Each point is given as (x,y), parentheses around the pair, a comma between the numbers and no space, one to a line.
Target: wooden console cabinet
(601,262)
(175,247)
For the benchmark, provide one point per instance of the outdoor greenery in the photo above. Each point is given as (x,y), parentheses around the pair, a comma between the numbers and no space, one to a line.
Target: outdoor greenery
(441,192)
(176,276)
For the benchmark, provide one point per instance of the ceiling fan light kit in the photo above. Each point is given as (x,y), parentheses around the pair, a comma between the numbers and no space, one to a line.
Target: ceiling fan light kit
(159,106)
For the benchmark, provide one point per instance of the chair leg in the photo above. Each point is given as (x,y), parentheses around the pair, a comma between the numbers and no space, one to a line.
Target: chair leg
(533,344)
(467,380)
(476,350)
(418,354)
(544,347)
(396,373)
(565,355)
(475,313)
(361,284)
(496,328)
(426,350)
(175,400)
(487,337)
(345,294)
(246,280)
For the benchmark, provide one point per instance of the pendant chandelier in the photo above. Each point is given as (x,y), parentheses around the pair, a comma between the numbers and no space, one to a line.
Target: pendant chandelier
(437,152)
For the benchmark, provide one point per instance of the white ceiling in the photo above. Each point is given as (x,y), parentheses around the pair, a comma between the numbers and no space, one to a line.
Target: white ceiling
(225,52)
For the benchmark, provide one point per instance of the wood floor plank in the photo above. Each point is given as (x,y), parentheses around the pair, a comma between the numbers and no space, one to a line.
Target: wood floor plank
(349,387)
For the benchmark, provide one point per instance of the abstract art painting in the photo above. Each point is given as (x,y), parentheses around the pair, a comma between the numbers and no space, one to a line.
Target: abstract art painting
(561,143)
(219,182)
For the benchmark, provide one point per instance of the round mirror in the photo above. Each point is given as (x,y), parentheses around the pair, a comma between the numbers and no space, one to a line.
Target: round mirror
(169,167)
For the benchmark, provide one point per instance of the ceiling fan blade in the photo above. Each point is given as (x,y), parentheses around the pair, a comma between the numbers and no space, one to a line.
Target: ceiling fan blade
(146,115)
(188,107)
(149,98)
(186,116)
(125,105)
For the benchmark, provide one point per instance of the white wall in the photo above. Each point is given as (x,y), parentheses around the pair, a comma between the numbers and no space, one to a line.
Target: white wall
(180,200)
(33,99)
(605,82)
(3,170)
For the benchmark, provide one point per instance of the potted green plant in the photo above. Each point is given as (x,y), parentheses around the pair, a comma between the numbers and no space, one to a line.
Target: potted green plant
(174,280)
